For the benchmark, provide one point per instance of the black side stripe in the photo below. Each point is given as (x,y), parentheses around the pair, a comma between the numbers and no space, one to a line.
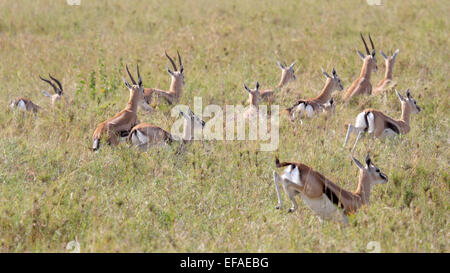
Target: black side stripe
(393,127)
(333,197)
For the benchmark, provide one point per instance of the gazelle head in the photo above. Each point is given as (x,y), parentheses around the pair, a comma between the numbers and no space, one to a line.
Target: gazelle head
(136,90)
(334,80)
(287,73)
(254,95)
(410,103)
(389,60)
(370,173)
(370,57)
(194,120)
(177,75)
(57,88)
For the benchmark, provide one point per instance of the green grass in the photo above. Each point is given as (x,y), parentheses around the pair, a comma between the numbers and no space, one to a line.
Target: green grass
(215,196)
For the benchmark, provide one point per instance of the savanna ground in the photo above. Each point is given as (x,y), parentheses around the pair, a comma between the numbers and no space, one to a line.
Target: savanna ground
(215,196)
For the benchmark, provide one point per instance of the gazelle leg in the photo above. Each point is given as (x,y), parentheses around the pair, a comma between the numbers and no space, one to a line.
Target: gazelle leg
(357,139)
(349,131)
(292,190)
(276,180)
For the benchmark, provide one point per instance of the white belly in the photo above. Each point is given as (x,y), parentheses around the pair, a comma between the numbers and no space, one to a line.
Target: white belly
(323,207)
(388,133)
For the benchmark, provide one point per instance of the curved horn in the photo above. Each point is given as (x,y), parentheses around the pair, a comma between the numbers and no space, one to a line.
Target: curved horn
(365,45)
(57,82)
(139,75)
(49,82)
(179,60)
(131,77)
(371,42)
(171,61)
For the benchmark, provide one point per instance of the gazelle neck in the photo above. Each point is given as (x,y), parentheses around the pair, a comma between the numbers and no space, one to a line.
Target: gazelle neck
(406,113)
(176,85)
(325,94)
(389,70)
(283,80)
(133,102)
(363,190)
(366,70)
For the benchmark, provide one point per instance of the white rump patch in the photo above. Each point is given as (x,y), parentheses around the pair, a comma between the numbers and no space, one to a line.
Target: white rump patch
(292,175)
(309,111)
(360,122)
(21,105)
(371,120)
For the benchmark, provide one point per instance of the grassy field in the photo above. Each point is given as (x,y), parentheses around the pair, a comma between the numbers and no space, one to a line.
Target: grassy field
(215,195)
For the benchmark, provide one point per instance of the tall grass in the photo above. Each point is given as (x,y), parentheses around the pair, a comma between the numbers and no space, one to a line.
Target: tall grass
(215,196)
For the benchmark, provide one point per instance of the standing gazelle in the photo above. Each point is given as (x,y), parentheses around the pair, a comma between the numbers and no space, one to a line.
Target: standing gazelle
(328,200)
(58,89)
(321,102)
(176,86)
(362,84)
(380,125)
(387,82)
(287,76)
(121,123)
(145,134)
(254,96)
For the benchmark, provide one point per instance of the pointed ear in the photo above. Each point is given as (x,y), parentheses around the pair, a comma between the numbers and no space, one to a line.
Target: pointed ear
(280,65)
(373,53)
(384,55)
(358,164)
(334,72)
(368,160)
(399,96)
(257,86)
(292,65)
(360,54)
(246,88)
(395,53)
(126,83)
(408,94)
(325,73)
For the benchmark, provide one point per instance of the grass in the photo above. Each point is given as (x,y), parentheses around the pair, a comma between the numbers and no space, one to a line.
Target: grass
(215,196)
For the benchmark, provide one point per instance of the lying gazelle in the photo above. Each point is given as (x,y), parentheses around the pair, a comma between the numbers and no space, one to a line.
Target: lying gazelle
(328,200)
(387,82)
(58,89)
(362,84)
(121,123)
(176,86)
(322,102)
(145,134)
(287,76)
(24,104)
(380,125)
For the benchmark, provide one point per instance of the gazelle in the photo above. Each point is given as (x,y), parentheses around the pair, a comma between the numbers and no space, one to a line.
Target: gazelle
(146,134)
(176,86)
(58,89)
(328,200)
(287,76)
(253,97)
(380,125)
(24,104)
(362,84)
(321,102)
(387,82)
(121,123)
